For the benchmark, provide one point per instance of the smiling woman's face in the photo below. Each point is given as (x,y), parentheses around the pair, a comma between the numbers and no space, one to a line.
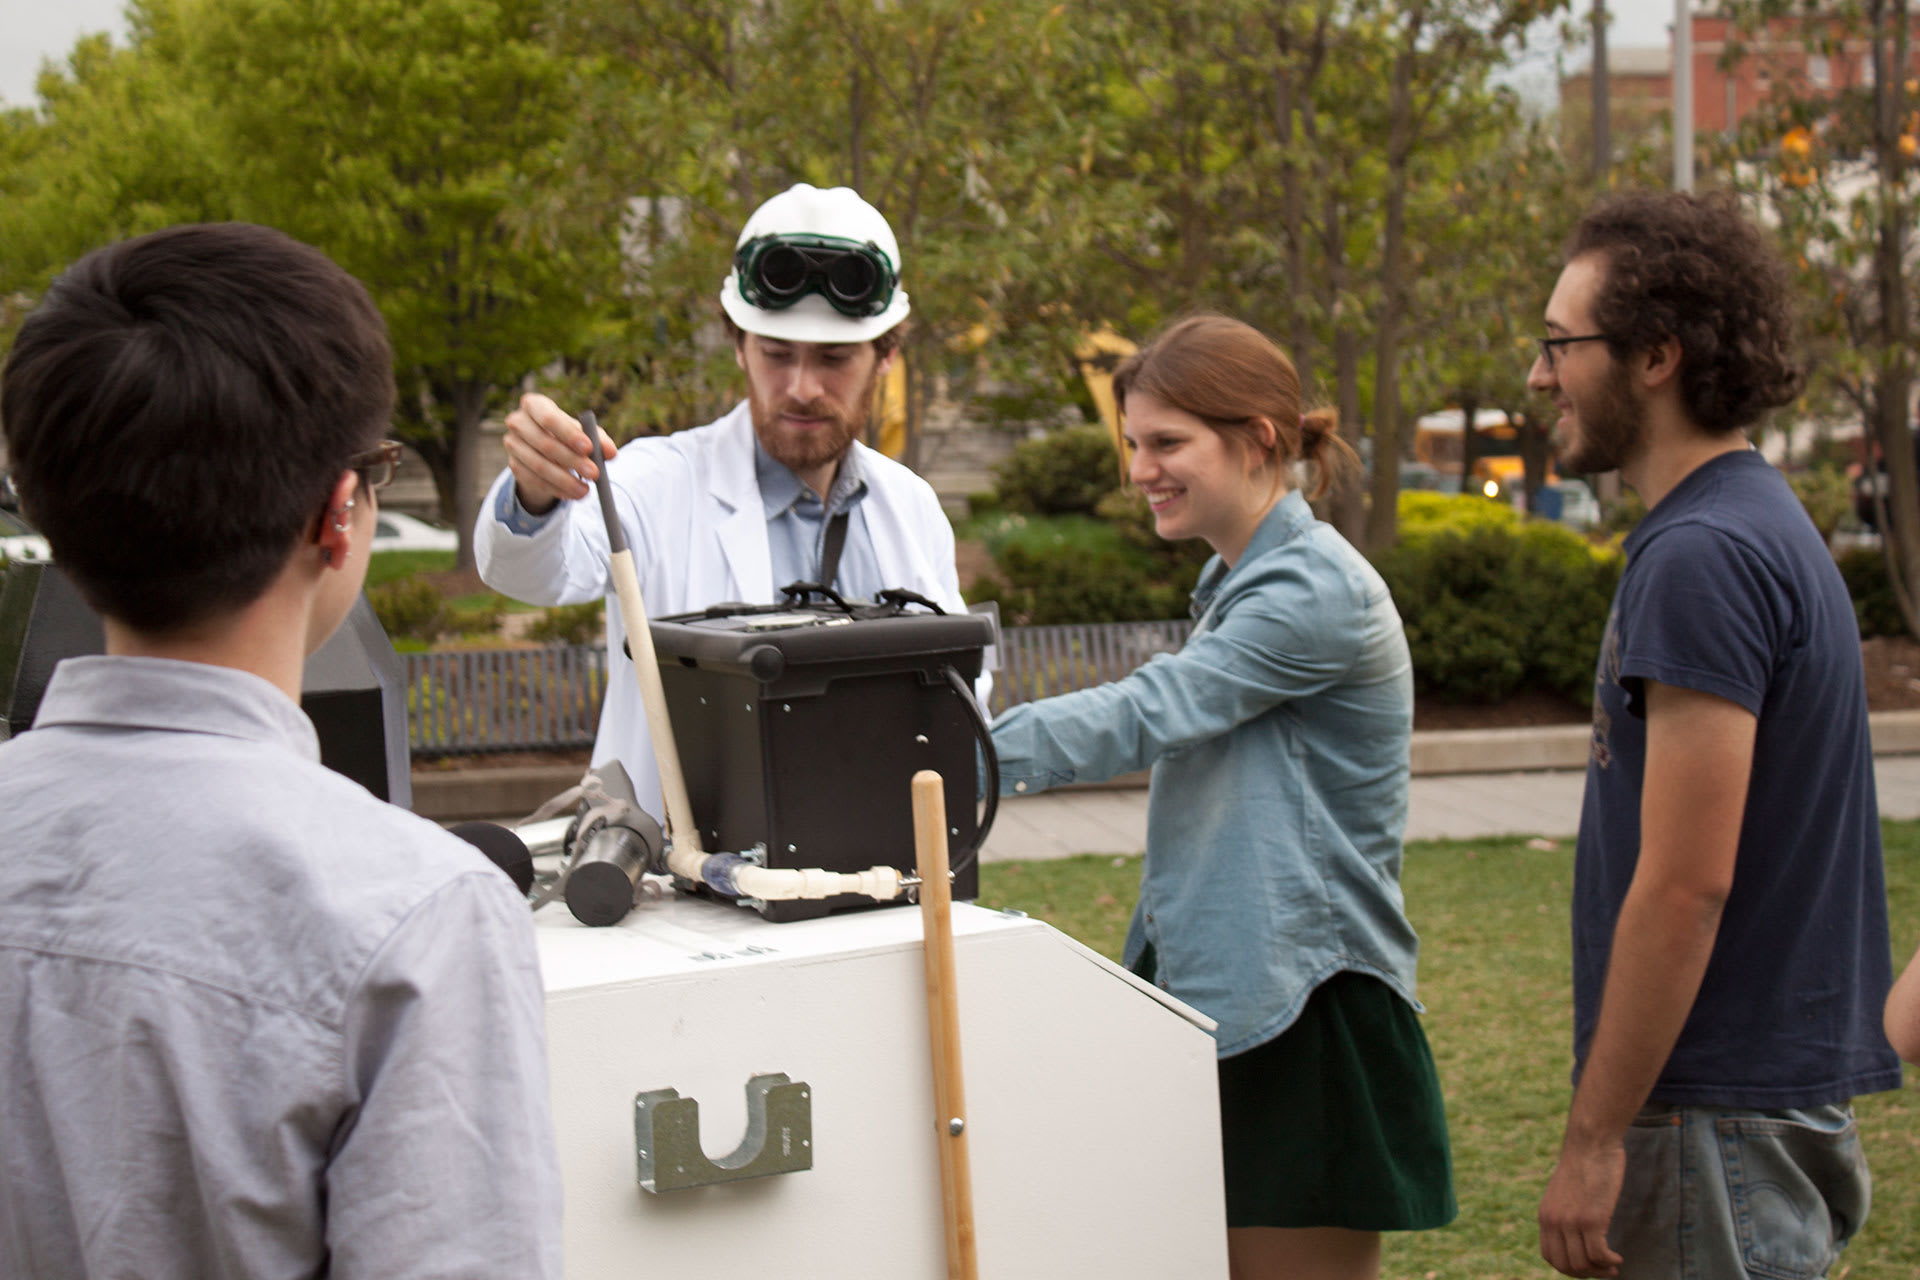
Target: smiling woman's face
(1197,483)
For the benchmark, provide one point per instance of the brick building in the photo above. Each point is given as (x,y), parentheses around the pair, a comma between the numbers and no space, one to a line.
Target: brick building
(1640,80)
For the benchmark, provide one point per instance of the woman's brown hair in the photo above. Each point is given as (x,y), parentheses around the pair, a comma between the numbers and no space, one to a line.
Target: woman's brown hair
(1226,374)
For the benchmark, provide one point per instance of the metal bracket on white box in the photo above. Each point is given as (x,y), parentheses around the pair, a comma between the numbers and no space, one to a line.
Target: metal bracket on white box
(666,1134)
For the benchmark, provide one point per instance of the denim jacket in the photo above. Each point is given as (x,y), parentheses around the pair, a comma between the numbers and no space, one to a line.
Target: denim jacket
(1278,739)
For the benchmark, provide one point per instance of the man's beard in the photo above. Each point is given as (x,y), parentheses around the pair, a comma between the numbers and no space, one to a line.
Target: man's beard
(1612,426)
(799,451)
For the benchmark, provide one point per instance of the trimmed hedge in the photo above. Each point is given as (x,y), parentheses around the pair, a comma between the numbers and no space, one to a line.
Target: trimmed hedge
(1065,472)
(1494,605)
(1865,572)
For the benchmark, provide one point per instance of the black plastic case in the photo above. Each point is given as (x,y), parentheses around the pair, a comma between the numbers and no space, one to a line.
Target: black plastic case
(800,730)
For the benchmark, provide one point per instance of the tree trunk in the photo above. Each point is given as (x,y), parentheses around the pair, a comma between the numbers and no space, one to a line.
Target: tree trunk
(856,121)
(1469,441)
(1383,518)
(469,406)
(1893,381)
(1536,449)
(916,409)
(1347,503)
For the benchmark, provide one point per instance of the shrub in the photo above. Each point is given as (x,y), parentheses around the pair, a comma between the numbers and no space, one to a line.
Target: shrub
(1502,607)
(1076,568)
(1063,472)
(1874,604)
(1076,583)
(982,501)
(1826,495)
(1422,514)
(479,614)
(410,608)
(569,624)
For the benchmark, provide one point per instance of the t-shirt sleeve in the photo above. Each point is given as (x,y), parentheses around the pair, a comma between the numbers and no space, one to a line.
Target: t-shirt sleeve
(1699,610)
(447,1164)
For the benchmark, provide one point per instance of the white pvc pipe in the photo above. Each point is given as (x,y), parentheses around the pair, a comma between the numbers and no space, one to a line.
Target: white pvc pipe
(772,884)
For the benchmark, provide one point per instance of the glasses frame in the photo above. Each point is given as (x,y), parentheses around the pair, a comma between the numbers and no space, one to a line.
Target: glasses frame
(1548,346)
(376,466)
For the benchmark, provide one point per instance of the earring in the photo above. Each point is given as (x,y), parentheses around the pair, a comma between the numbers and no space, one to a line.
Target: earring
(340,516)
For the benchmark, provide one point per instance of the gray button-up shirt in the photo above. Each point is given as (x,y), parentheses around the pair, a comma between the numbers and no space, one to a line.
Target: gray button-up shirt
(253,1022)
(797,526)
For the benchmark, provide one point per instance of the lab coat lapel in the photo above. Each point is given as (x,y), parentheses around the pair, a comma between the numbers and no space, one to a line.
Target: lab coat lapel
(742,526)
(896,548)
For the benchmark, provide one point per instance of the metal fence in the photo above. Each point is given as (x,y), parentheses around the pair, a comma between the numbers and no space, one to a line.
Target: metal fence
(1039,662)
(493,700)
(504,699)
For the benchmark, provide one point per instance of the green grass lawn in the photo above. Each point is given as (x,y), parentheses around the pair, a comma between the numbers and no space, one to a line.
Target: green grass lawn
(1497,982)
(391,566)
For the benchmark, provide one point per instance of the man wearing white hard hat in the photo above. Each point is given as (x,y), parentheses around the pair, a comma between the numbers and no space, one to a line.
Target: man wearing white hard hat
(779,490)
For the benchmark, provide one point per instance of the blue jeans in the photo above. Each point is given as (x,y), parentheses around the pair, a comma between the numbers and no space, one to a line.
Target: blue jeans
(1718,1193)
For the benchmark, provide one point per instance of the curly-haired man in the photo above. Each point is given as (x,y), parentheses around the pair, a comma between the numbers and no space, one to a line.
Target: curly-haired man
(1730,943)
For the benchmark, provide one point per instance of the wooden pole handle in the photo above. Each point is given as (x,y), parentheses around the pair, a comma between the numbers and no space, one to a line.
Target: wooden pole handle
(943,1021)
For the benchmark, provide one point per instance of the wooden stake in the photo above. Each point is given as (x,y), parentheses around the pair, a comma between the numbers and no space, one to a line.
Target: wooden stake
(943,1021)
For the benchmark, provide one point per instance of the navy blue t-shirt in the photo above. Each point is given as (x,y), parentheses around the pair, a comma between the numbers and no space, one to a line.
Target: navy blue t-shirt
(1729,590)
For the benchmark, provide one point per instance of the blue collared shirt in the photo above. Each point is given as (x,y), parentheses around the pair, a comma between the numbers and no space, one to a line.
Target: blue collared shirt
(1278,739)
(796,524)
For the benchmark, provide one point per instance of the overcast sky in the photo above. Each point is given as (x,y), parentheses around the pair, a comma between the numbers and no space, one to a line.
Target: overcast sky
(34,30)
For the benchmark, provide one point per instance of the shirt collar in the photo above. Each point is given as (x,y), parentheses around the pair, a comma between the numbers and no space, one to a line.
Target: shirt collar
(1289,516)
(781,490)
(182,697)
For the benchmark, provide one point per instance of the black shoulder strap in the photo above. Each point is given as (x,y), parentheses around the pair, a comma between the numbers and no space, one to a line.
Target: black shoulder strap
(830,551)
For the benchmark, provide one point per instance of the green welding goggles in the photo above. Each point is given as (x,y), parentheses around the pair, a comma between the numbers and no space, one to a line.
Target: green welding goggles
(777,271)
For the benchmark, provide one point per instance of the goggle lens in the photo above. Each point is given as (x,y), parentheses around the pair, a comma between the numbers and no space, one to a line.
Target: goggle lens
(783,271)
(851,278)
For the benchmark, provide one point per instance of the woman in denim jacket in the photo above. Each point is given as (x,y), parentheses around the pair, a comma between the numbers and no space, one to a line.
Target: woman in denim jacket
(1270,895)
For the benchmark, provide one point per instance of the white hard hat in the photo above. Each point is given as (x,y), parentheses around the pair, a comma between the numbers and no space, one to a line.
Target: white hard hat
(837,212)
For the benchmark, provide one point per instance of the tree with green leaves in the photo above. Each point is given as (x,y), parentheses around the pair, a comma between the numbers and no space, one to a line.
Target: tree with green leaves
(1834,171)
(418,143)
(706,110)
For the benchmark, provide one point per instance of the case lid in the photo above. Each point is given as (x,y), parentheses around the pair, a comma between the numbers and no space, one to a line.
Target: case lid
(816,634)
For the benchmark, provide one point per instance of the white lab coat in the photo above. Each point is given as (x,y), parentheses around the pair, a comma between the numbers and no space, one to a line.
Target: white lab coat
(690,504)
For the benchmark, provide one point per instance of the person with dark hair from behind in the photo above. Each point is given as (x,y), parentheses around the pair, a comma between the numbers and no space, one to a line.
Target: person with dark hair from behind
(1730,947)
(255,1021)
(1278,738)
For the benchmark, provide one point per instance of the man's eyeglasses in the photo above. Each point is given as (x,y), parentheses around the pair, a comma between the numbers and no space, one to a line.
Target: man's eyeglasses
(377,465)
(1549,347)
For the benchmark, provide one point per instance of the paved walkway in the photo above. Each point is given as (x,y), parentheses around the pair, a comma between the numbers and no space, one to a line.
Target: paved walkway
(1459,807)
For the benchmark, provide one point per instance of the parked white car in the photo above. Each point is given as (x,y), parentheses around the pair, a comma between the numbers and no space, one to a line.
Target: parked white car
(1579,509)
(18,541)
(397,532)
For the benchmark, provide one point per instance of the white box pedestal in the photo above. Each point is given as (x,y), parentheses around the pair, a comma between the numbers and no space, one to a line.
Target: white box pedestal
(1093,1112)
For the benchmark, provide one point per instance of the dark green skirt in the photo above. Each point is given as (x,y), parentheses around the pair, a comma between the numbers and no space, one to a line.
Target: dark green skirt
(1337,1121)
